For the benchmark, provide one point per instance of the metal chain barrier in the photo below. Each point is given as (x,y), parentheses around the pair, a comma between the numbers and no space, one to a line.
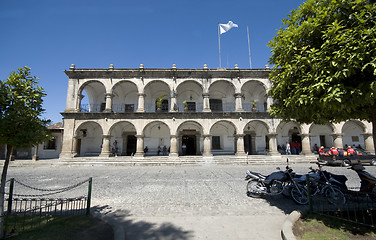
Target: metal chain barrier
(50,191)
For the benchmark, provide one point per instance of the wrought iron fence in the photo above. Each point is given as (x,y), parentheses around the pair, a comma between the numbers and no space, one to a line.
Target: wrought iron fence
(353,206)
(28,211)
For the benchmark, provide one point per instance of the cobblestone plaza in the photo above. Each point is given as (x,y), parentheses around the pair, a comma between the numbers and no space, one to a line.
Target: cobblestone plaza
(176,202)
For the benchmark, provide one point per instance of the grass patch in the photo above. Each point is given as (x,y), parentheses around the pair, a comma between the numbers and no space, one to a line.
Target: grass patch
(315,226)
(75,227)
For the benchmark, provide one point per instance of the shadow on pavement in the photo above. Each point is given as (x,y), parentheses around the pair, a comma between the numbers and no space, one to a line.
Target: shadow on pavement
(284,203)
(135,230)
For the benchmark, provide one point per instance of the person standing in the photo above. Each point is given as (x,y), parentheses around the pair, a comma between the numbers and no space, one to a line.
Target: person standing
(288,149)
(115,149)
(184,148)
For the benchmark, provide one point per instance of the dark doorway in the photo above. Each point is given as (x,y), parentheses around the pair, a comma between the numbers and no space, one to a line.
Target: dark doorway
(296,143)
(78,147)
(131,145)
(249,144)
(190,142)
(322,140)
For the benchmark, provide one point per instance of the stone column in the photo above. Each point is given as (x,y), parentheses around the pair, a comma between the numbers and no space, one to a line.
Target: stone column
(238,102)
(368,143)
(35,155)
(66,148)
(108,102)
(140,146)
(198,139)
(337,140)
(74,146)
(273,151)
(306,144)
(141,102)
(269,102)
(207,146)
(174,106)
(78,103)
(240,145)
(173,146)
(206,107)
(106,151)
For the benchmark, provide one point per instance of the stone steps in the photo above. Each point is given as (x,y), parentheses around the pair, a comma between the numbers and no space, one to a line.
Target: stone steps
(166,160)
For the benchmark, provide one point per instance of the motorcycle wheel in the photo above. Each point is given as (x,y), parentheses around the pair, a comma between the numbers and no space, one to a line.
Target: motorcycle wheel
(251,189)
(299,194)
(335,196)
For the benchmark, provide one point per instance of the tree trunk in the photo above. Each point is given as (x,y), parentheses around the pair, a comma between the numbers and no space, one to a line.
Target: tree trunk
(2,189)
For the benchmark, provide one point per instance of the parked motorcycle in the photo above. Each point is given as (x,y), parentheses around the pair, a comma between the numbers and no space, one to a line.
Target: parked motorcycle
(321,182)
(367,182)
(273,184)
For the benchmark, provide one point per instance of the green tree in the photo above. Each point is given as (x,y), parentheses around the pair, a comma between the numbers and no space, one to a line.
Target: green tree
(20,122)
(324,58)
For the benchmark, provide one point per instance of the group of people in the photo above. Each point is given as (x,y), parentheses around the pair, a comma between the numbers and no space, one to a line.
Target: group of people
(347,151)
(288,149)
(160,150)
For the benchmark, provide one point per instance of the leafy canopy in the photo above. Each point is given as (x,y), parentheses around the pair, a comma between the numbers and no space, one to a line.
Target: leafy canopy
(324,60)
(20,109)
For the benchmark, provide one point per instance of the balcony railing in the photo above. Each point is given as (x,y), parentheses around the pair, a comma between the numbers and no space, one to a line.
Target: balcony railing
(198,107)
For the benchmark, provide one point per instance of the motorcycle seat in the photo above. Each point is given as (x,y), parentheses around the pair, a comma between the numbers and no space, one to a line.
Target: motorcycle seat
(259,175)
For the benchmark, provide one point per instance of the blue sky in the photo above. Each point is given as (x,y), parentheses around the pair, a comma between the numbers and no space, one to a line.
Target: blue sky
(48,36)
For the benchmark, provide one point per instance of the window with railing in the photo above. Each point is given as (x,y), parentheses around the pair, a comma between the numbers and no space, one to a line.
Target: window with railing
(191,106)
(129,108)
(216,105)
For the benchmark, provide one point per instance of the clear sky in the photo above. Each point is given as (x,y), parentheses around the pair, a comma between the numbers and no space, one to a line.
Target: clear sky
(48,36)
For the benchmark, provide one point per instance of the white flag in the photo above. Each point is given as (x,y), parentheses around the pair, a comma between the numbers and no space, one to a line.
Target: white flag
(225,27)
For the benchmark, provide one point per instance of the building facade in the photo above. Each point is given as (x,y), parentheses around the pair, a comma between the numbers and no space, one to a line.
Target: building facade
(175,112)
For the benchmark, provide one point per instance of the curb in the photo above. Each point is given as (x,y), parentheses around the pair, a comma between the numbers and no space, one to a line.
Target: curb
(286,231)
(119,233)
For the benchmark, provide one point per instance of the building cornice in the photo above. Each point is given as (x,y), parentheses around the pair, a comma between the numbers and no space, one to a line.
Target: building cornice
(80,73)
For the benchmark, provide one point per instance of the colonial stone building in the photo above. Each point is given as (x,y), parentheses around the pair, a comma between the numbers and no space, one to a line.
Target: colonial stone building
(178,112)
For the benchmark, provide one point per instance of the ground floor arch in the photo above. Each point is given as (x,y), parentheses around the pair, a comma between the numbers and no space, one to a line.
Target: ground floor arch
(88,139)
(123,139)
(190,138)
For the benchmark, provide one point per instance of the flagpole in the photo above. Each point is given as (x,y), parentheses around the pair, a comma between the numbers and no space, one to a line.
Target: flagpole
(249,49)
(219,44)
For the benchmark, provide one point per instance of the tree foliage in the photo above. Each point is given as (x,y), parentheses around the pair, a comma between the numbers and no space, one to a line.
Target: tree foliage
(20,109)
(324,60)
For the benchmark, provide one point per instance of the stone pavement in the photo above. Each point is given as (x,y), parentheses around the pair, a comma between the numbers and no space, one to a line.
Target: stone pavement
(175,202)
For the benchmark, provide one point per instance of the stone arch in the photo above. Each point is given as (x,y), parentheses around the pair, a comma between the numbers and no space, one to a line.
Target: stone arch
(254,90)
(88,139)
(156,134)
(353,133)
(322,135)
(95,96)
(124,96)
(124,133)
(223,139)
(153,90)
(288,132)
(190,134)
(190,91)
(222,96)
(256,140)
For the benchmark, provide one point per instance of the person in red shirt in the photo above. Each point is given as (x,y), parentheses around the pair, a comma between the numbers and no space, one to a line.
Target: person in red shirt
(350,151)
(333,151)
(321,150)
